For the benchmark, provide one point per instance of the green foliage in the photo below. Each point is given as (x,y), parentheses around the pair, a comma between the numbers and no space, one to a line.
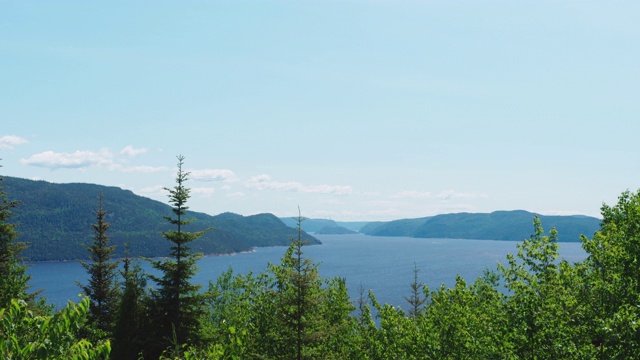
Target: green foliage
(307,313)
(176,305)
(612,273)
(132,324)
(26,335)
(287,312)
(13,276)
(466,321)
(235,302)
(102,288)
(546,319)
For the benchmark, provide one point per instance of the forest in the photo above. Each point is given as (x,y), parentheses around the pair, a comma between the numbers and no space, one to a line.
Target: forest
(55,220)
(535,306)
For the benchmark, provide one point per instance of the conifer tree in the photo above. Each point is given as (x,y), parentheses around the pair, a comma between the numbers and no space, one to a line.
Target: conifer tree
(417,298)
(13,274)
(102,288)
(176,303)
(128,333)
(300,324)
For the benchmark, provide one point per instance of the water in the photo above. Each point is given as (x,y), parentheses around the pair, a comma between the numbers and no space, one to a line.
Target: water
(382,264)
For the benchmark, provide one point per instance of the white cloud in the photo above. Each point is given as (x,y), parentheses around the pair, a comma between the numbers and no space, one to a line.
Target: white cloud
(205,191)
(78,159)
(412,195)
(213,175)
(9,141)
(264,182)
(452,194)
(130,151)
(563,213)
(443,195)
(142,169)
(152,190)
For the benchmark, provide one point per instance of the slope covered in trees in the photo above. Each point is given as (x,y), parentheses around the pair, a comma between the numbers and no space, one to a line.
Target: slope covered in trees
(498,225)
(55,221)
(314,225)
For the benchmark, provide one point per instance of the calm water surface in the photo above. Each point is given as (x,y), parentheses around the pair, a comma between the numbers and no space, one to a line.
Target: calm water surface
(382,264)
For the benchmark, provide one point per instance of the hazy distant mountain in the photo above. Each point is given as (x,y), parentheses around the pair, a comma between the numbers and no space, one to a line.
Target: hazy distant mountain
(55,219)
(335,230)
(314,225)
(500,225)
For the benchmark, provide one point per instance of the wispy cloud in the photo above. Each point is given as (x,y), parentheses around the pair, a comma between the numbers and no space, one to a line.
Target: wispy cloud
(141,169)
(411,195)
(76,160)
(151,190)
(443,195)
(211,175)
(204,191)
(264,182)
(452,194)
(130,151)
(10,141)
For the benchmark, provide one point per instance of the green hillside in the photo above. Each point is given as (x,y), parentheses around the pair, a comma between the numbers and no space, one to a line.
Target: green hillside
(315,225)
(498,225)
(55,219)
(335,230)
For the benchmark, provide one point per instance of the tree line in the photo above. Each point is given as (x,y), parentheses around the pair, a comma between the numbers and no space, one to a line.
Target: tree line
(534,306)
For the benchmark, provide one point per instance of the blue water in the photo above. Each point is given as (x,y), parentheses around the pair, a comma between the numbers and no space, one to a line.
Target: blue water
(382,264)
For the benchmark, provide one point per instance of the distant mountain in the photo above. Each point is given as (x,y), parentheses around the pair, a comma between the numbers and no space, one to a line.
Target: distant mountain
(500,225)
(314,225)
(55,220)
(335,230)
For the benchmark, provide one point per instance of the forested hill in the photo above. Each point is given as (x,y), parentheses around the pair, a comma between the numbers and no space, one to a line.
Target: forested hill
(55,220)
(500,225)
(315,225)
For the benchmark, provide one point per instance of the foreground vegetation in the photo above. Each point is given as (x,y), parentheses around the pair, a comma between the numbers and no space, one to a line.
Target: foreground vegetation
(535,306)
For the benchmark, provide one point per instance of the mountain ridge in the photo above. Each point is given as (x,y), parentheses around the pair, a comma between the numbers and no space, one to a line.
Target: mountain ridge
(55,220)
(512,225)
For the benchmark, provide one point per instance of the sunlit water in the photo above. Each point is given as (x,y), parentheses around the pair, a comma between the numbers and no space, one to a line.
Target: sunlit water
(382,264)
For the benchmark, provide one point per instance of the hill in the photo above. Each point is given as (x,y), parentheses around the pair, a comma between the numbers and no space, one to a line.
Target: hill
(499,225)
(55,220)
(335,230)
(315,225)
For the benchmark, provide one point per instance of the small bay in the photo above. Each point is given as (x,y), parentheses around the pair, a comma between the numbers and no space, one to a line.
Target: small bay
(382,264)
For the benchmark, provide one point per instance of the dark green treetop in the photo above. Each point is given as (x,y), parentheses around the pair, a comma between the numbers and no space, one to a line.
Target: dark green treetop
(13,274)
(176,300)
(102,287)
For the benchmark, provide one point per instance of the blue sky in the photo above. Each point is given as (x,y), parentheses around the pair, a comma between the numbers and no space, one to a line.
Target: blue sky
(351,110)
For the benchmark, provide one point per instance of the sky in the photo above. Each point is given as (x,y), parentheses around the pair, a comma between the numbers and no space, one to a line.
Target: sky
(353,110)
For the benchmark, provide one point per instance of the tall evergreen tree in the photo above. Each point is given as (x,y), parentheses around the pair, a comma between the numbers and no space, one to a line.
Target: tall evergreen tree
(418,294)
(128,333)
(177,305)
(102,288)
(13,274)
(309,315)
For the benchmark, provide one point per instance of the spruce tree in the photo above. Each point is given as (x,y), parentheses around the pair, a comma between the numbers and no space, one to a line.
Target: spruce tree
(128,333)
(418,294)
(177,305)
(102,288)
(13,274)
(300,326)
